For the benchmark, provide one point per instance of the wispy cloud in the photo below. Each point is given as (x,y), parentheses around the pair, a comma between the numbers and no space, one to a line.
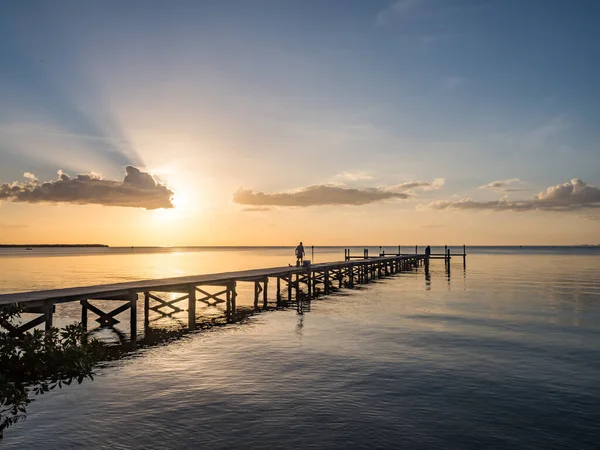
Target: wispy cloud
(354,176)
(137,190)
(503,185)
(434,185)
(12,226)
(256,209)
(575,195)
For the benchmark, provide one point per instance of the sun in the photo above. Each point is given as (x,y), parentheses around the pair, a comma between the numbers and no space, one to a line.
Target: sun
(181,207)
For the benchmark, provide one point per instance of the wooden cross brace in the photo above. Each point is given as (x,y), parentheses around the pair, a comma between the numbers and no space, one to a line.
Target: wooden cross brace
(19,330)
(167,303)
(46,316)
(286,278)
(302,278)
(208,296)
(106,319)
(319,277)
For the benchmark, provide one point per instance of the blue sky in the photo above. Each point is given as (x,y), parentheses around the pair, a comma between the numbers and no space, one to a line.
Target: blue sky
(287,94)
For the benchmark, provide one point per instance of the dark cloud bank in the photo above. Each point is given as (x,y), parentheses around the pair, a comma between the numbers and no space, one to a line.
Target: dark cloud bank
(574,196)
(137,190)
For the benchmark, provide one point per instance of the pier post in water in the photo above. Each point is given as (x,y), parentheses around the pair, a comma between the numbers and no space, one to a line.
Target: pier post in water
(192,307)
(48,313)
(266,284)
(232,287)
(84,315)
(257,290)
(133,316)
(146,309)
(278,291)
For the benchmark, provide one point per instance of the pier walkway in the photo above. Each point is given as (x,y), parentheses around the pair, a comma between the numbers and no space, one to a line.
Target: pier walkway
(291,282)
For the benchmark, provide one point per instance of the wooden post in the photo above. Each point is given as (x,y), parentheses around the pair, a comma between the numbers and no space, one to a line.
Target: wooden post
(312,254)
(445,253)
(256,292)
(84,315)
(48,313)
(326,282)
(289,287)
(146,309)
(266,283)
(309,283)
(464,257)
(192,307)
(416,249)
(399,252)
(233,286)
(278,291)
(228,303)
(133,316)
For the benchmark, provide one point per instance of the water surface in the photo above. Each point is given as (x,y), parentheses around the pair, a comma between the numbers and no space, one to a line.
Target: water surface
(503,355)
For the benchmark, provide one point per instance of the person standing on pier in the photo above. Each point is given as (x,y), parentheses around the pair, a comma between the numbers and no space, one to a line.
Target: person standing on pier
(299,254)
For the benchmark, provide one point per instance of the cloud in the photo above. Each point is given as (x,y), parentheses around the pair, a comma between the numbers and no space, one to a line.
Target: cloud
(256,209)
(501,185)
(316,195)
(355,176)
(10,226)
(572,196)
(137,190)
(436,184)
(30,176)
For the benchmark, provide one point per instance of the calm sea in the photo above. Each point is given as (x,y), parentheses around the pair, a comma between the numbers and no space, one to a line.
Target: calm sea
(504,353)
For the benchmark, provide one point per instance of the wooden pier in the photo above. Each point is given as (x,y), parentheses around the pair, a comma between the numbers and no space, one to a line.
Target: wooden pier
(219,289)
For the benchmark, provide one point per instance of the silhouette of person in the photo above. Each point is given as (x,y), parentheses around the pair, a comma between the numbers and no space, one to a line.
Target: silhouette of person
(299,254)
(427,252)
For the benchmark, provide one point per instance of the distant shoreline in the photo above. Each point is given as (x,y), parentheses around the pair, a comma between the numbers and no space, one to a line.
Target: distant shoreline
(51,245)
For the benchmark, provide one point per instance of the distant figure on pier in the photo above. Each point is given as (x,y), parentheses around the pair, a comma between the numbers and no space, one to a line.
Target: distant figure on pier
(427,252)
(299,254)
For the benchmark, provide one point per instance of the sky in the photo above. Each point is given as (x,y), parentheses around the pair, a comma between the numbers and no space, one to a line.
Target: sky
(256,122)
